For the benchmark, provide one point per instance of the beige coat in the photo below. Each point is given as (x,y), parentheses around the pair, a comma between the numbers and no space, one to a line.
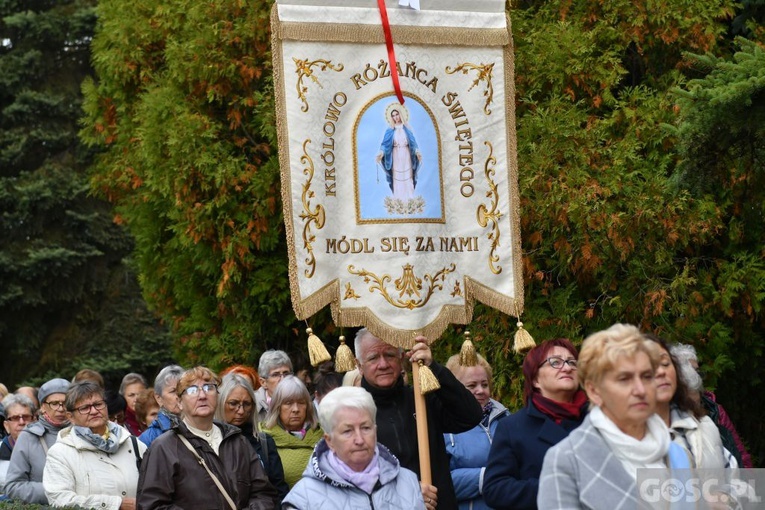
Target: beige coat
(77,473)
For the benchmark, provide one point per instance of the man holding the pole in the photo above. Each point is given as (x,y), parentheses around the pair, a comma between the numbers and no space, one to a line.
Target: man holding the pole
(450,409)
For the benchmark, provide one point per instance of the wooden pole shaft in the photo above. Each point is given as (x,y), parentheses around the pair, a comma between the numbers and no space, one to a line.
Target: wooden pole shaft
(421,412)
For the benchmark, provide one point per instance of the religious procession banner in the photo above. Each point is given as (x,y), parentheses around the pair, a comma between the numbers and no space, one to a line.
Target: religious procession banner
(401,209)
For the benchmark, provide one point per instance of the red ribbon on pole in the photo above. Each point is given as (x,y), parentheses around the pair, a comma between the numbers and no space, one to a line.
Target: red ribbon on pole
(391,53)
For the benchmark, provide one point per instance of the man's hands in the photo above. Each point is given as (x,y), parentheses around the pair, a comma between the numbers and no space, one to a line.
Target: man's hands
(420,351)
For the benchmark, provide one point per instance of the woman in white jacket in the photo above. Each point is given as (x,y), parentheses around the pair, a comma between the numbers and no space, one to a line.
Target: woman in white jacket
(94,463)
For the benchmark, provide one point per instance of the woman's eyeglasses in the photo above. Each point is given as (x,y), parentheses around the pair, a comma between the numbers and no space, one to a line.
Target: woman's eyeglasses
(557,362)
(20,417)
(279,375)
(98,406)
(206,388)
(236,404)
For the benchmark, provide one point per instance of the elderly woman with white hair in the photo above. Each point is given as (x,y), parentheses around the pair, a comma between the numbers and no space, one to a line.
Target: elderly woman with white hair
(292,422)
(596,466)
(688,365)
(349,468)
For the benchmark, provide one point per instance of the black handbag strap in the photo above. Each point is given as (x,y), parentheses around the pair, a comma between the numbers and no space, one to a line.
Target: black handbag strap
(136,451)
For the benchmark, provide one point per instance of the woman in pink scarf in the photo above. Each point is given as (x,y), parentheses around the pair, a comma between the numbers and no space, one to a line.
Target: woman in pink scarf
(349,468)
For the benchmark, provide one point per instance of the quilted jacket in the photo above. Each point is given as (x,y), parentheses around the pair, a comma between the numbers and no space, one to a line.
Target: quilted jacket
(321,488)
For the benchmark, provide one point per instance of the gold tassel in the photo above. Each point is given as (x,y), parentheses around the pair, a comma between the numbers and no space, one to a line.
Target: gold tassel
(523,340)
(316,350)
(428,381)
(344,360)
(468,356)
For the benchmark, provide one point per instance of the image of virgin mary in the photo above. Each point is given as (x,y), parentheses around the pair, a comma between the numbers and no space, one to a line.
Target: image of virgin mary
(400,158)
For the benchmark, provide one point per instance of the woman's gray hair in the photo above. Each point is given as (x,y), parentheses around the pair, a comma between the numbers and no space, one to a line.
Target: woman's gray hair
(345,397)
(230,382)
(272,359)
(17,399)
(167,376)
(132,378)
(684,354)
(81,390)
(290,388)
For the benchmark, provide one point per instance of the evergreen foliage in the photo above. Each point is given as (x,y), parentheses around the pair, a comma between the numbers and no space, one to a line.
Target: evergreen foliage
(721,143)
(65,292)
(184,107)
(639,202)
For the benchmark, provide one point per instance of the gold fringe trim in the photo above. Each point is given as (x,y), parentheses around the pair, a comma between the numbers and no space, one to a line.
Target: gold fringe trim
(373,34)
(280,107)
(344,359)
(512,163)
(317,352)
(402,338)
(468,356)
(428,381)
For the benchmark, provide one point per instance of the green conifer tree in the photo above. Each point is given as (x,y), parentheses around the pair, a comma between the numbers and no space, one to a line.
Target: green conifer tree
(65,292)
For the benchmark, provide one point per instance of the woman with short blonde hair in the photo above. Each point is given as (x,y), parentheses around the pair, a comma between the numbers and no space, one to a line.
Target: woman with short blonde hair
(596,466)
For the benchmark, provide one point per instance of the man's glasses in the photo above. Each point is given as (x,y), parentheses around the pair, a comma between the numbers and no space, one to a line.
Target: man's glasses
(20,417)
(58,404)
(206,388)
(279,375)
(558,362)
(236,404)
(98,406)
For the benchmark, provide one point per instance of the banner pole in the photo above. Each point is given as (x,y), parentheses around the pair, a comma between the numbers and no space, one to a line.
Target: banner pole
(421,416)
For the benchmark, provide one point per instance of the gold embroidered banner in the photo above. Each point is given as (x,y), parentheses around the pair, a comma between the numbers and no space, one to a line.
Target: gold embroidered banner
(399,216)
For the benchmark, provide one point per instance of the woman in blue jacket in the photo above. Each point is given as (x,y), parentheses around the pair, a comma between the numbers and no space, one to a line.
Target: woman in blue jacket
(555,405)
(469,451)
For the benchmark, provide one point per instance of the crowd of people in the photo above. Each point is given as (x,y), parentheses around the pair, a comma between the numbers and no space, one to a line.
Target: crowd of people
(275,438)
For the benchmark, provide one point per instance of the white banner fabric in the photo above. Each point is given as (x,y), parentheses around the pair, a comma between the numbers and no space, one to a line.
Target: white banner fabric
(399,216)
